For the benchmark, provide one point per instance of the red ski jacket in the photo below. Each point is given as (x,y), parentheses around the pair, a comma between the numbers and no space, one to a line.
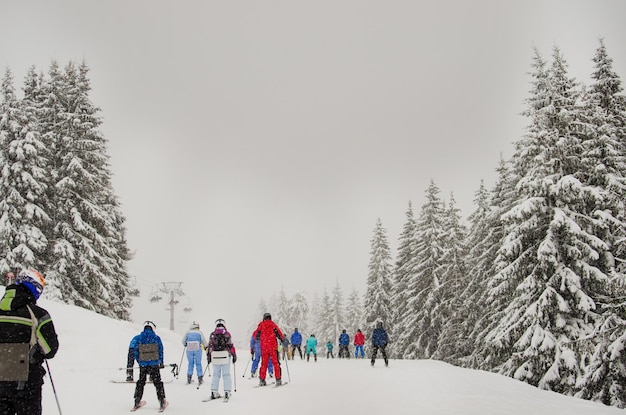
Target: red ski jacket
(359,339)
(267,332)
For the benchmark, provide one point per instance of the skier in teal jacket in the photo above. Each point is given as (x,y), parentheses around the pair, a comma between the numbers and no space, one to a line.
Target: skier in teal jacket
(311,347)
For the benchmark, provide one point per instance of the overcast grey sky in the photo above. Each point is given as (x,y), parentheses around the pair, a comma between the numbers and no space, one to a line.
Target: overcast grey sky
(254,144)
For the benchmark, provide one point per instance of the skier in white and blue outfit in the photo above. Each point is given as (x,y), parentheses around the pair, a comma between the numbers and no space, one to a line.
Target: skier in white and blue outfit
(194,342)
(255,351)
(221,351)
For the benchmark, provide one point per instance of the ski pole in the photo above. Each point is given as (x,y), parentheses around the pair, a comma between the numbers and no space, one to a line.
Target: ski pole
(181,359)
(247,364)
(235,376)
(287,367)
(56,397)
(203,373)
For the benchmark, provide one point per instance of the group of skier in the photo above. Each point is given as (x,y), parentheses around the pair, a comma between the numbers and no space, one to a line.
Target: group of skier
(147,349)
(26,329)
(379,342)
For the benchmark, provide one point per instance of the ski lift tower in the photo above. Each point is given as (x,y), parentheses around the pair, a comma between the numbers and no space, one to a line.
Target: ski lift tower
(173,288)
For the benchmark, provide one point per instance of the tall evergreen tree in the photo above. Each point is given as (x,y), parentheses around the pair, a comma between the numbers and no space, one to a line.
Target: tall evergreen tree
(88,249)
(282,315)
(23,215)
(402,275)
(378,291)
(417,337)
(448,313)
(469,294)
(354,312)
(299,313)
(327,327)
(338,310)
(604,133)
(485,239)
(550,253)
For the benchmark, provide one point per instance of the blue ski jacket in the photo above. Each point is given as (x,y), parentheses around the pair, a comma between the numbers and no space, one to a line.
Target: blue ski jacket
(379,337)
(296,338)
(147,336)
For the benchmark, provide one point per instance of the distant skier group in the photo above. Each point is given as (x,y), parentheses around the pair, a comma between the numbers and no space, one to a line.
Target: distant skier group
(379,342)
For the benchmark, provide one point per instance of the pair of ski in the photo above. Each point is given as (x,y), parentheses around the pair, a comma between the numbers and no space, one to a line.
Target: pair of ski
(211,398)
(135,382)
(143,403)
(273,385)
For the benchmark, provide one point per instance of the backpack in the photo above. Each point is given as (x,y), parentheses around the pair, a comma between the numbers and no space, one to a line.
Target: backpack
(220,342)
(148,352)
(14,357)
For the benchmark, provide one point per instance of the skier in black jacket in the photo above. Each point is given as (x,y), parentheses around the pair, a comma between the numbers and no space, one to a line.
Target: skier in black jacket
(24,326)
(379,341)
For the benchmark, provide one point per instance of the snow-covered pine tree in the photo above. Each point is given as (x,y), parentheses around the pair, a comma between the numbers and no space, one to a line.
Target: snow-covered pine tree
(282,315)
(401,276)
(23,174)
(313,316)
(326,326)
(88,251)
(354,312)
(338,308)
(299,313)
(376,301)
(416,335)
(448,312)
(549,258)
(484,239)
(603,128)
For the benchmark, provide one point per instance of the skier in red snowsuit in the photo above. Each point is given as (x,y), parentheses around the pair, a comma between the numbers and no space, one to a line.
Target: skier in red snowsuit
(267,332)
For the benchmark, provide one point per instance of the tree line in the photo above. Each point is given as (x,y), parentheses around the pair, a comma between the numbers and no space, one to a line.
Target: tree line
(58,211)
(532,284)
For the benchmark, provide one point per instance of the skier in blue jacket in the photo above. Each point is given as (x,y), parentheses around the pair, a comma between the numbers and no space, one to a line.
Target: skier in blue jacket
(255,351)
(296,343)
(344,341)
(148,350)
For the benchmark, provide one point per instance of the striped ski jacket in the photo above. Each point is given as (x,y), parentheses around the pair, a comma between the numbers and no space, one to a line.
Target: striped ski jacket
(16,326)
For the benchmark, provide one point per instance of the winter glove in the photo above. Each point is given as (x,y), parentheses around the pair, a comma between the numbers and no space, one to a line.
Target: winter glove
(161,366)
(234,358)
(208,357)
(252,352)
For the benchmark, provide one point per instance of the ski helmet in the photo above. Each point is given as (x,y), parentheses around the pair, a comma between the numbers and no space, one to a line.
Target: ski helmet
(267,316)
(220,322)
(31,279)
(149,325)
